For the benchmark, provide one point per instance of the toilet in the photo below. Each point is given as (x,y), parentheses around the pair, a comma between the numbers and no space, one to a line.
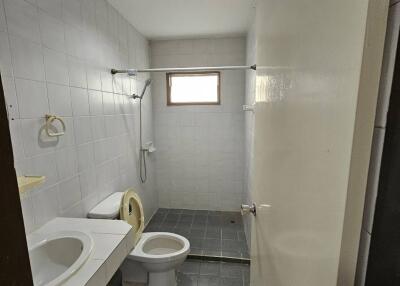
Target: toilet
(156,255)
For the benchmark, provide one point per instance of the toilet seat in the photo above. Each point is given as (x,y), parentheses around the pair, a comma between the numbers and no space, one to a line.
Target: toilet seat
(141,254)
(131,211)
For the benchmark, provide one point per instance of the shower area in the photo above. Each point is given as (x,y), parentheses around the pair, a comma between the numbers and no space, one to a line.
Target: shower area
(199,163)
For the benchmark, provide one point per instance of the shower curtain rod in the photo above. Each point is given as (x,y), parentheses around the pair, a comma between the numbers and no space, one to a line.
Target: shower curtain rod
(188,69)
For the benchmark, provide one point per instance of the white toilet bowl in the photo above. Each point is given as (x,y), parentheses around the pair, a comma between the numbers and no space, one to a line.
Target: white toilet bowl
(160,253)
(157,253)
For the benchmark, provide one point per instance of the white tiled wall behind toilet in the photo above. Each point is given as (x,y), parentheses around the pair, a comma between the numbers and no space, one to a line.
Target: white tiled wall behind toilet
(200,149)
(55,57)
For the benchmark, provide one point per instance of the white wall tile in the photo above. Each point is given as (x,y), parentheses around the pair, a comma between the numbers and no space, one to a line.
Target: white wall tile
(200,144)
(85,157)
(2,18)
(77,72)
(34,138)
(68,139)
(52,32)
(108,103)
(67,163)
(69,193)
(55,64)
(45,165)
(83,129)
(87,180)
(59,57)
(10,97)
(27,59)
(98,127)
(100,152)
(5,55)
(74,40)
(106,81)
(22,19)
(32,98)
(93,78)
(45,205)
(80,101)
(28,214)
(16,139)
(53,7)
(59,99)
(96,102)
(72,12)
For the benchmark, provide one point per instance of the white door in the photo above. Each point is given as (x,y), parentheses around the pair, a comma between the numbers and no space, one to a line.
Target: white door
(309,55)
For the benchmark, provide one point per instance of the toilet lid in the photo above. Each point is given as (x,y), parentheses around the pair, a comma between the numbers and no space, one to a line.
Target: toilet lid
(131,211)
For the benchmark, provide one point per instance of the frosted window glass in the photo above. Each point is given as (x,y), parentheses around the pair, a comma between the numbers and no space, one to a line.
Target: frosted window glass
(192,88)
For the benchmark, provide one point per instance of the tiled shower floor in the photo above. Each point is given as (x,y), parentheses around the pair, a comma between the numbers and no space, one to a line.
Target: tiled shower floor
(211,233)
(205,273)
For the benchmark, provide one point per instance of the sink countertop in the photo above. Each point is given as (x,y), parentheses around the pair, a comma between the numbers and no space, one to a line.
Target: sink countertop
(112,243)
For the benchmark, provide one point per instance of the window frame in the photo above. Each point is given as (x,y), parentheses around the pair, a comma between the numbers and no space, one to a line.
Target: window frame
(169,75)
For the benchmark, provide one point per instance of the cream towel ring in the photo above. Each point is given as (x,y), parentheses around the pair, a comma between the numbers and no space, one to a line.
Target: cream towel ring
(49,121)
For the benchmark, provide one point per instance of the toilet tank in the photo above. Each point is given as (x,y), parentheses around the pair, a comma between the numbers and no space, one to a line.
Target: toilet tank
(107,208)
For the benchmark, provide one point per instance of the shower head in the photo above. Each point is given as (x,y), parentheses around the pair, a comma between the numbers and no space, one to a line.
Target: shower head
(146,84)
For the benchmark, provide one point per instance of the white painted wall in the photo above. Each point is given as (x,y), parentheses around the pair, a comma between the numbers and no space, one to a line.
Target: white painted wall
(200,149)
(55,58)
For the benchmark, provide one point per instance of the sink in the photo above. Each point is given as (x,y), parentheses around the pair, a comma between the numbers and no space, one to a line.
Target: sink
(55,257)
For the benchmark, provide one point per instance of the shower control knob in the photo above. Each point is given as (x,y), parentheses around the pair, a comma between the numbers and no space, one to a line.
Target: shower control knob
(247,209)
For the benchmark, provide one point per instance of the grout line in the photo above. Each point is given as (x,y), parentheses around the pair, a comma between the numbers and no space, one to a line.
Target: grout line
(220,258)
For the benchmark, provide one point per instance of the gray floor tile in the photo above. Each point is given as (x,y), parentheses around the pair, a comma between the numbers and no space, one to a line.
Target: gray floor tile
(213,273)
(182,231)
(186,218)
(187,280)
(196,251)
(231,281)
(172,217)
(216,253)
(213,233)
(187,225)
(197,233)
(234,254)
(201,227)
(241,236)
(212,244)
(229,234)
(190,267)
(196,242)
(232,270)
(200,219)
(210,268)
(208,281)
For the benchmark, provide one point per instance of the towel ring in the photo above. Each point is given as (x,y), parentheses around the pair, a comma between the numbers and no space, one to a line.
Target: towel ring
(49,121)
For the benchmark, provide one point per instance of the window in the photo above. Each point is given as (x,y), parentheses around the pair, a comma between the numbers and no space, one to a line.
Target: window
(193,88)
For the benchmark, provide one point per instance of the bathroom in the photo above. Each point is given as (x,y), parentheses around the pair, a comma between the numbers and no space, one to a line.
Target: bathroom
(187,143)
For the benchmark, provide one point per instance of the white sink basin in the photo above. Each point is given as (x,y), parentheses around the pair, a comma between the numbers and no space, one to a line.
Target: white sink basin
(57,256)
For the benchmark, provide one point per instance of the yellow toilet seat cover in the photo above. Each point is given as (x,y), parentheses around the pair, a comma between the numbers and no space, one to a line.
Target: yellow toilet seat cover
(131,211)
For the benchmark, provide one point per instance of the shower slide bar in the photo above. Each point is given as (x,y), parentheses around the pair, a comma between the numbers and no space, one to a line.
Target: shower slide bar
(187,69)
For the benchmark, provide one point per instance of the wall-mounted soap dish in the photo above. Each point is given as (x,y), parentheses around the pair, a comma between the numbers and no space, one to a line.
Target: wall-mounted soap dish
(28,182)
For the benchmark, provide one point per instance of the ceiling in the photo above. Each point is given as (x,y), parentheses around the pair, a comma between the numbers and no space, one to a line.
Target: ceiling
(174,19)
